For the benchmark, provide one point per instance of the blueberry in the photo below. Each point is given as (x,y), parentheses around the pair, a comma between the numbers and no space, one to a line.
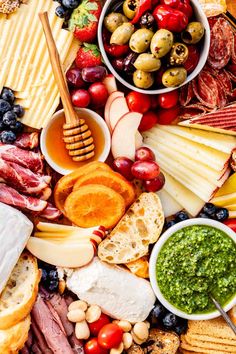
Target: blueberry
(53,285)
(9,118)
(170,223)
(7,95)
(4,106)
(2,126)
(44,275)
(169,320)
(157,314)
(7,137)
(181,327)
(204,215)
(70,4)
(17,127)
(181,216)
(53,275)
(221,214)
(62,12)
(18,110)
(209,209)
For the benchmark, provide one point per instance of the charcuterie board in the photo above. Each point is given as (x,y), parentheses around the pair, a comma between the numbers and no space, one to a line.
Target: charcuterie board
(117,198)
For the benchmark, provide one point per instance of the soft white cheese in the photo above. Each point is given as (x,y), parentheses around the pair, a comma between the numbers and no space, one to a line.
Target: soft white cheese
(120,294)
(15,230)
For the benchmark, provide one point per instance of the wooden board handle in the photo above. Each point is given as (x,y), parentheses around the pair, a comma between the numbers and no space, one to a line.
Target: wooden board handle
(70,114)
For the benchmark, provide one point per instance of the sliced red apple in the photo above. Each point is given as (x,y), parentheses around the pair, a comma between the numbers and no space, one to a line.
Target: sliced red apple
(110,99)
(124,135)
(138,140)
(110,83)
(118,109)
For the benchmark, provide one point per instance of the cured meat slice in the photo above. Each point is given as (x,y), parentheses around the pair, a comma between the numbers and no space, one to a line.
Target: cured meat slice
(10,196)
(29,159)
(192,111)
(51,212)
(22,178)
(233,55)
(27,140)
(221,98)
(45,194)
(186,94)
(40,338)
(232,76)
(223,79)
(205,89)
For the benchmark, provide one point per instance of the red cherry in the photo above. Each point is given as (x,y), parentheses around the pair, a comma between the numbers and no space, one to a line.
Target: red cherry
(99,94)
(155,184)
(144,154)
(123,166)
(80,98)
(148,121)
(138,102)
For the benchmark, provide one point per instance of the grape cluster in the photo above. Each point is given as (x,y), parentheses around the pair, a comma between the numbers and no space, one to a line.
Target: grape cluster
(66,7)
(49,278)
(9,114)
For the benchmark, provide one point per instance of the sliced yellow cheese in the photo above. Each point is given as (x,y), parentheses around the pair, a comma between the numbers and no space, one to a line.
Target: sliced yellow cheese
(169,204)
(190,202)
(206,127)
(221,142)
(228,187)
(232,214)
(224,200)
(231,207)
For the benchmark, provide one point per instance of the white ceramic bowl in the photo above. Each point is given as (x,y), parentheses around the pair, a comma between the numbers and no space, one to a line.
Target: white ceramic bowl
(200,16)
(153,259)
(96,117)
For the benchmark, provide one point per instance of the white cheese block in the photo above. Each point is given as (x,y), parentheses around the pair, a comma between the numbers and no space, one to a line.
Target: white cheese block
(187,123)
(170,205)
(120,294)
(221,142)
(15,230)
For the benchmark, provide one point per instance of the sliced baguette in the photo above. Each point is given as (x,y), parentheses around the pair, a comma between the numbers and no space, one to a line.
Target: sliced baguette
(14,338)
(19,295)
(139,227)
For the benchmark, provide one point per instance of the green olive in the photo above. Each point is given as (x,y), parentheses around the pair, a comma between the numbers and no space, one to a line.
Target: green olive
(122,34)
(129,8)
(147,62)
(161,43)
(174,77)
(143,79)
(193,33)
(178,54)
(140,40)
(114,20)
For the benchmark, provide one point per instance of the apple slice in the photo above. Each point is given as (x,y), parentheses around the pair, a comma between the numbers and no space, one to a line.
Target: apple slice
(123,138)
(118,109)
(110,99)
(110,83)
(138,140)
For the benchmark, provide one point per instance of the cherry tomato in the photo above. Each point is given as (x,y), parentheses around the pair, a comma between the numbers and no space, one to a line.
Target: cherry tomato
(145,169)
(110,336)
(99,94)
(155,184)
(168,99)
(148,121)
(144,154)
(123,166)
(80,98)
(97,325)
(92,347)
(138,102)
(193,58)
(167,116)
(154,101)
(231,223)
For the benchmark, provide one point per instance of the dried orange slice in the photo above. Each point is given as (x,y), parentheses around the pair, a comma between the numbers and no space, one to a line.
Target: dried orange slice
(93,205)
(109,179)
(65,185)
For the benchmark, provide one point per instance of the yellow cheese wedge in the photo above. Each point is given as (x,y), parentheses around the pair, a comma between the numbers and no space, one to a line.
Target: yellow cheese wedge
(224,200)
(228,187)
(231,207)
(62,255)
(207,128)
(232,214)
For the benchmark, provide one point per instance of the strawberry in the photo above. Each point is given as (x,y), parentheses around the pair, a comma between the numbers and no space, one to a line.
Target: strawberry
(84,20)
(88,55)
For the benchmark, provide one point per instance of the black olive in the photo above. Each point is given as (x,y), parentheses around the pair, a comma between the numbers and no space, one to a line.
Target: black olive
(128,63)
(147,20)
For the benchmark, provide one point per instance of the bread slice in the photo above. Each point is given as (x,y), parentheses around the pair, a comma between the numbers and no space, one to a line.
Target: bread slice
(139,227)
(19,295)
(14,338)
(164,342)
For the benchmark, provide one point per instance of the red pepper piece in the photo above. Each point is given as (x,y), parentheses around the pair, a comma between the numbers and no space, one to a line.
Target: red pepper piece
(181,5)
(170,19)
(143,6)
(114,50)
(231,223)
(193,58)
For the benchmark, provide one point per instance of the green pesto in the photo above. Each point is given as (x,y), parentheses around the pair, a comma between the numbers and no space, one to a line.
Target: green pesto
(195,261)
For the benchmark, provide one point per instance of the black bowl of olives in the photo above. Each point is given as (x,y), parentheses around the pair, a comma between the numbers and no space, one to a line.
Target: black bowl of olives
(147,53)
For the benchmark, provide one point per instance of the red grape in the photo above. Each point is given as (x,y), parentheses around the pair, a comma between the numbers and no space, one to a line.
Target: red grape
(145,170)
(80,98)
(99,94)
(94,73)
(144,154)
(123,166)
(155,184)
(74,78)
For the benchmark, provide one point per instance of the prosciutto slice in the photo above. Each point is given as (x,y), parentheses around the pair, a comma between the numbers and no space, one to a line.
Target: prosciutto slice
(28,159)
(10,196)
(51,212)
(27,140)
(23,179)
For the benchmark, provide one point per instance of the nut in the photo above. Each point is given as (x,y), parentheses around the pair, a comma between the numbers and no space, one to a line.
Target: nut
(82,330)
(136,339)
(127,340)
(62,286)
(93,313)
(79,304)
(117,350)
(76,315)
(125,325)
(140,330)
(148,324)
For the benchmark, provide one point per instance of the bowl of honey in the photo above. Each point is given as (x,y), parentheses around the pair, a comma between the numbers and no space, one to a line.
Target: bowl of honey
(53,146)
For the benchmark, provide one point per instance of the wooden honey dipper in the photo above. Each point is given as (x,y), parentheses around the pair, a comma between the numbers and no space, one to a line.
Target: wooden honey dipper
(77,136)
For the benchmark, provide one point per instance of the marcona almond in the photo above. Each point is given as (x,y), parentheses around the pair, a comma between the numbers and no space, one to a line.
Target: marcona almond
(93,313)
(127,340)
(140,330)
(79,304)
(117,350)
(76,315)
(82,330)
(136,339)
(125,325)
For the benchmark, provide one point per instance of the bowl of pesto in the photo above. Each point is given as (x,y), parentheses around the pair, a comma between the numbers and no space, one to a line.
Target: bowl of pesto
(191,260)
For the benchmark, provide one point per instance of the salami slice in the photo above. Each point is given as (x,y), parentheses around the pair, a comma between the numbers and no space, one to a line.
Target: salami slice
(233,55)
(232,76)
(192,111)
(222,97)
(186,94)
(206,90)
(224,79)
